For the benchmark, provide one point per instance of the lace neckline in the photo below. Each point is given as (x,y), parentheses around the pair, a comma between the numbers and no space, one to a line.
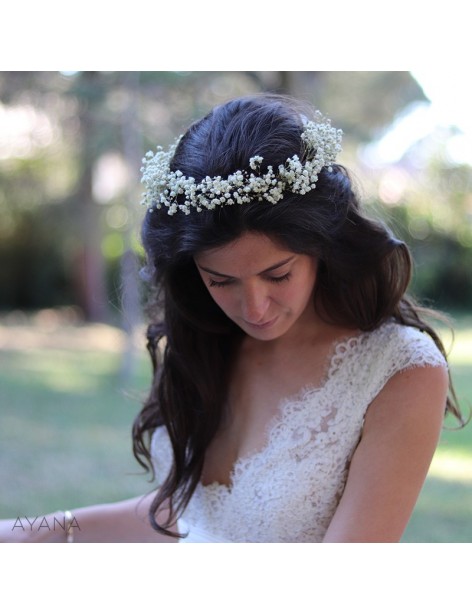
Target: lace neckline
(334,358)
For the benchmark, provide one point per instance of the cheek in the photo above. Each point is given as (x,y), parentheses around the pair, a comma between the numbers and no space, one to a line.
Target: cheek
(303,291)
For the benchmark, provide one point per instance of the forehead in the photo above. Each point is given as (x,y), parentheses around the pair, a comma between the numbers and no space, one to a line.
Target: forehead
(248,254)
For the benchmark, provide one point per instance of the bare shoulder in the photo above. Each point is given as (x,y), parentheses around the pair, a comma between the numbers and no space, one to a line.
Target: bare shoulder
(417,394)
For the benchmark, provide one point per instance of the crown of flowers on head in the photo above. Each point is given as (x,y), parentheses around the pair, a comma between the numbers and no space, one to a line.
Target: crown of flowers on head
(172,189)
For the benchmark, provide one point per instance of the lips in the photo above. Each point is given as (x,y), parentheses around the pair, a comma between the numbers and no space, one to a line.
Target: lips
(263,325)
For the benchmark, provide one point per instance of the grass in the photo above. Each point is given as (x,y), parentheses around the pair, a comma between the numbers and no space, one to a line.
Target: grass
(65,421)
(66,415)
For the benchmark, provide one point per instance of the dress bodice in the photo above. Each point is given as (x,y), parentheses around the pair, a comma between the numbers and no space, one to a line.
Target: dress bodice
(289,490)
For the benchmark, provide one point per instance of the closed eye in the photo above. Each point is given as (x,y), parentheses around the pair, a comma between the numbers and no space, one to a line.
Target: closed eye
(219,284)
(277,280)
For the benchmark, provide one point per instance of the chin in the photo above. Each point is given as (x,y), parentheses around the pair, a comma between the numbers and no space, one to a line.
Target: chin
(266,334)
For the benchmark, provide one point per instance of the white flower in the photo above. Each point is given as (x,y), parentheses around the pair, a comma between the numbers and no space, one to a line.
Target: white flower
(164,187)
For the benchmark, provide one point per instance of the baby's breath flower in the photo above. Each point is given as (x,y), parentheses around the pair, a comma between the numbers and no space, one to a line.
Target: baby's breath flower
(173,190)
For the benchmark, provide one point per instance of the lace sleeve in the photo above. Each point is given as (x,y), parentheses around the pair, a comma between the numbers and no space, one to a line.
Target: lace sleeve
(396,348)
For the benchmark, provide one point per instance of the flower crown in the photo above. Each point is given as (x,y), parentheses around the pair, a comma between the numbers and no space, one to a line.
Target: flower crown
(164,187)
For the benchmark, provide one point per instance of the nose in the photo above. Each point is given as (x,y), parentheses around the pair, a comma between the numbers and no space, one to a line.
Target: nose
(254,303)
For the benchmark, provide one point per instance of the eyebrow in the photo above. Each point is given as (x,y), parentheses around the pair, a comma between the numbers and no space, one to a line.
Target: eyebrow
(268,270)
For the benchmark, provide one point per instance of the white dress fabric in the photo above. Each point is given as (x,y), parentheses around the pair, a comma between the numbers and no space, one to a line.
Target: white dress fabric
(289,490)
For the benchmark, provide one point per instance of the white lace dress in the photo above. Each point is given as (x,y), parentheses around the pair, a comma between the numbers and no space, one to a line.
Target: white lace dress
(289,490)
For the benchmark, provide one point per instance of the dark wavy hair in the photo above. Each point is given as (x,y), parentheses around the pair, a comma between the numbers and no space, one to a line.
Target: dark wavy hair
(363,275)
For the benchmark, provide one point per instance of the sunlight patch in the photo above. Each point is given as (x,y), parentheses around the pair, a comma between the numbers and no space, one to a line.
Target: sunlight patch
(455,467)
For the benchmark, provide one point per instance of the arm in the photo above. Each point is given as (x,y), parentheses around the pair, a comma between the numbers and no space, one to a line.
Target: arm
(390,464)
(124,521)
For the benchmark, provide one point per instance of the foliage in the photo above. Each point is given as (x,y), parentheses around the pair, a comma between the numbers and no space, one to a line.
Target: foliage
(431,210)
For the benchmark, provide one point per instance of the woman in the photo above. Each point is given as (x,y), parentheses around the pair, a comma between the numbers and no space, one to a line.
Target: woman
(298,392)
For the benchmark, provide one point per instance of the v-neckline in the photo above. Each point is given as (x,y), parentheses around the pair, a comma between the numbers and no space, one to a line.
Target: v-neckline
(333,360)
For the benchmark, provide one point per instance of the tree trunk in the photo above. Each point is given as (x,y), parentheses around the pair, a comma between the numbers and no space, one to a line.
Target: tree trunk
(92,279)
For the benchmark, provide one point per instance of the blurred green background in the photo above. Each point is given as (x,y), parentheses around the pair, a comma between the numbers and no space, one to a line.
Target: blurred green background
(73,371)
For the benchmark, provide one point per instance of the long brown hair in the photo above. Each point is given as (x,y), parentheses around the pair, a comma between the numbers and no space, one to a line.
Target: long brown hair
(364,272)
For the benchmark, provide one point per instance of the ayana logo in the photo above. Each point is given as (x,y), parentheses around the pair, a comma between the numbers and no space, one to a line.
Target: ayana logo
(23,523)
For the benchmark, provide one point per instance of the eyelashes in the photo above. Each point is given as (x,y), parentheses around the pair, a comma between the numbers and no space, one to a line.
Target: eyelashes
(218,284)
(275,280)
(278,280)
